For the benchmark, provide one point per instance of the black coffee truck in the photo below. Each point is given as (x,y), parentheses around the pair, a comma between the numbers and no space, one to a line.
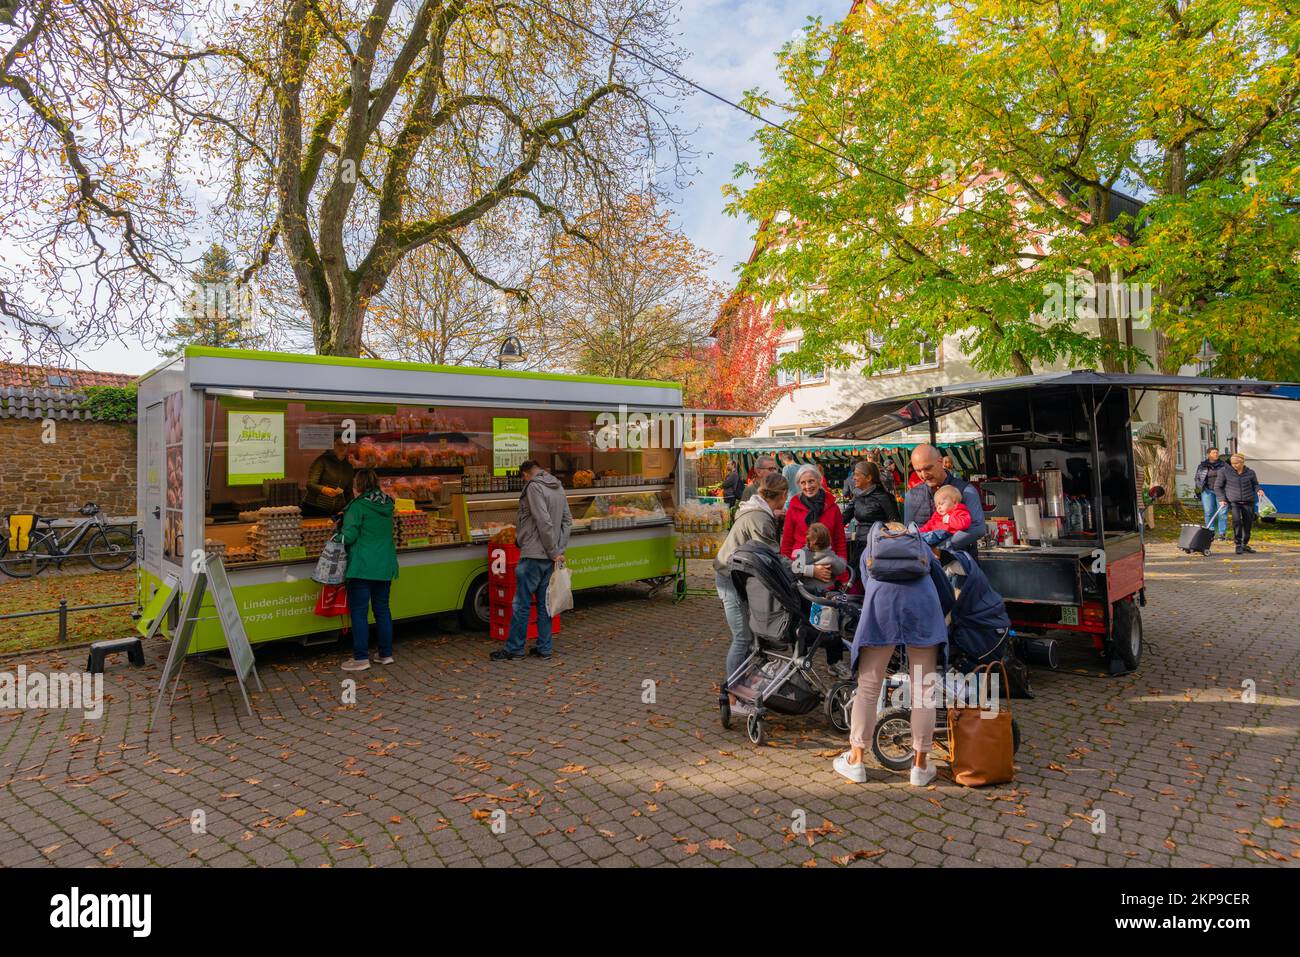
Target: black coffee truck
(1060,493)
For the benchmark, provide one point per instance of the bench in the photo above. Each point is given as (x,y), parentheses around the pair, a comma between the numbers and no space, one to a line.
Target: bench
(133,647)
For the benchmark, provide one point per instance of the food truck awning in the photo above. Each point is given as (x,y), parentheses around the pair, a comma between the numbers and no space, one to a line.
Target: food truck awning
(883,416)
(272,394)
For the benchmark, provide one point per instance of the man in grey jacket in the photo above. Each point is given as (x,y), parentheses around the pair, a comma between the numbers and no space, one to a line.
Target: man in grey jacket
(542,535)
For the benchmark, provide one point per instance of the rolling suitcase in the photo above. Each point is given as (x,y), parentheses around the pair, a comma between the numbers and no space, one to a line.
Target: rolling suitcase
(1197,538)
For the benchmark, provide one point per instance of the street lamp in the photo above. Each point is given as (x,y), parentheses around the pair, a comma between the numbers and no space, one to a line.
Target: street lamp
(512,352)
(1204,362)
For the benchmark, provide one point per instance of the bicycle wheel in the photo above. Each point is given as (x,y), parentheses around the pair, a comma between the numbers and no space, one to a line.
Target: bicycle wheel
(111,549)
(20,564)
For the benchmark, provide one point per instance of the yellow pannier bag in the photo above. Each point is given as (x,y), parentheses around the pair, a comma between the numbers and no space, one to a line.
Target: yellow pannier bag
(20,532)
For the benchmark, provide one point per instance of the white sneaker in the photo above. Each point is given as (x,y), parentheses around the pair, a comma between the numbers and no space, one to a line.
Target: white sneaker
(383,661)
(857,773)
(842,671)
(353,665)
(923,776)
(741,709)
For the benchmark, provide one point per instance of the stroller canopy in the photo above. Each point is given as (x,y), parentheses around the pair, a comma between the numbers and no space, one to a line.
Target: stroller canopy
(979,616)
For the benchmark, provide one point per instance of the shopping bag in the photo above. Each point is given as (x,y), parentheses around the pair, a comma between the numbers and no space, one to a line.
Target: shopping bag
(559,593)
(333,601)
(332,566)
(1266,507)
(982,745)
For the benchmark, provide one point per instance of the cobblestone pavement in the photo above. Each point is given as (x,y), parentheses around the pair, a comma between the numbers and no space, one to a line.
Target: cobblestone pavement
(587,773)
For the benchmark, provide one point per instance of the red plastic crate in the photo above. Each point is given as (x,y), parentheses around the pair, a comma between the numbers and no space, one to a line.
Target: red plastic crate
(506,612)
(501,630)
(502,560)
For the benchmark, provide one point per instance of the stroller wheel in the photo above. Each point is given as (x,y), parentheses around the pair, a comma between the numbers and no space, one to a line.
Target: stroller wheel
(838,702)
(756,730)
(891,742)
(724,707)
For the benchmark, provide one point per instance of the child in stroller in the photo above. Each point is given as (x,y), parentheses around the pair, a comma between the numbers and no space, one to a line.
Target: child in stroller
(778,675)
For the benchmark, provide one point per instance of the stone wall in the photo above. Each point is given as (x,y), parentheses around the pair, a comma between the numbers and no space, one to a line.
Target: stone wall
(87,462)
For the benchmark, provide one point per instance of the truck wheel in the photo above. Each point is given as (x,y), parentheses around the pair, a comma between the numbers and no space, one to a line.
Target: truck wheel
(476,616)
(1126,633)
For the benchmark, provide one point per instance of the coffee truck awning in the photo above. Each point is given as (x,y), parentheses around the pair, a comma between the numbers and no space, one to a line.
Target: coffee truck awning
(884,416)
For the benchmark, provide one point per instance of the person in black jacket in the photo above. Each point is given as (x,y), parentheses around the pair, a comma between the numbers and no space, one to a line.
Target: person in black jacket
(870,504)
(732,485)
(1238,488)
(1206,475)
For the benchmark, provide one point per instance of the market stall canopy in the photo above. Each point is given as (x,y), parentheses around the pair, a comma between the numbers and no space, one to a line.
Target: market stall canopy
(805,444)
(884,416)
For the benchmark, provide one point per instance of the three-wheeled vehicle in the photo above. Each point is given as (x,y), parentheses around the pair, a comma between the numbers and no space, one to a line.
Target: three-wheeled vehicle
(1060,491)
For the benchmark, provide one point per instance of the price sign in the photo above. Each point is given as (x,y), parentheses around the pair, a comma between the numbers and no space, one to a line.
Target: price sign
(288,554)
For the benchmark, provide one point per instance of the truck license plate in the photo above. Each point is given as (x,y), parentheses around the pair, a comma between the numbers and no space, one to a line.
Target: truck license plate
(1070,615)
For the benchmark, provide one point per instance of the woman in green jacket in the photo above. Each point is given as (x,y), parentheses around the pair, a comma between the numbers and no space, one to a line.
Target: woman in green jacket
(372,566)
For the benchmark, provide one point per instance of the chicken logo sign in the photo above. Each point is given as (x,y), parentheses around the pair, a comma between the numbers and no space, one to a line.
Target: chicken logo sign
(256,447)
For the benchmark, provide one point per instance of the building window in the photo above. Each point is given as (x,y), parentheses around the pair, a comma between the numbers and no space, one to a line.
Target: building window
(784,378)
(927,356)
(784,433)
(58,381)
(1180,458)
(1232,436)
(1207,438)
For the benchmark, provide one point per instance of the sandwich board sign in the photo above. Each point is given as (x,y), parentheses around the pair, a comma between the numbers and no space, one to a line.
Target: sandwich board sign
(154,613)
(213,574)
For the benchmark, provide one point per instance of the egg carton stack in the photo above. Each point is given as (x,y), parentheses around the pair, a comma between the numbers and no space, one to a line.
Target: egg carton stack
(239,554)
(443,530)
(279,526)
(214,548)
(315,533)
(409,525)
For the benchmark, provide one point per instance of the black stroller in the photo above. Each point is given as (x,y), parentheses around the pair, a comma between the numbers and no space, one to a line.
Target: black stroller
(778,675)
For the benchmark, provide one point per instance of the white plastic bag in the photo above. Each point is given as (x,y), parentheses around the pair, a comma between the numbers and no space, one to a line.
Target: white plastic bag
(559,593)
(1266,507)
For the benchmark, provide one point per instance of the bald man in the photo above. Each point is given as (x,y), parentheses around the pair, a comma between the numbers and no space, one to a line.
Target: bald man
(918,504)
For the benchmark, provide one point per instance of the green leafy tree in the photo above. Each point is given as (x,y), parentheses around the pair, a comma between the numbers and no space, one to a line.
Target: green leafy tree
(218,307)
(950,164)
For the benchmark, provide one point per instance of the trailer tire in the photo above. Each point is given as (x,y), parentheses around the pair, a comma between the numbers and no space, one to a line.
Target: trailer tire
(1126,633)
(475,615)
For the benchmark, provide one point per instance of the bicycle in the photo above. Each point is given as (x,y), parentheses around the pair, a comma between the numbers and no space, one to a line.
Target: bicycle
(109,548)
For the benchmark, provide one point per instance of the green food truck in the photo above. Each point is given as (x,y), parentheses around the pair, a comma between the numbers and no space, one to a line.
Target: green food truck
(245,454)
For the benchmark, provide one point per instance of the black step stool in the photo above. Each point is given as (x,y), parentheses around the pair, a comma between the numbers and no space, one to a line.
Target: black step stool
(133,647)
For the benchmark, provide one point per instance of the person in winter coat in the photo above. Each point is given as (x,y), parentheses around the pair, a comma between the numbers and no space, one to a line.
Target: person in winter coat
(755,521)
(372,566)
(733,485)
(918,504)
(909,613)
(813,504)
(979,616)
(1238,488)
(871,501)
(1207,473)
(541,535)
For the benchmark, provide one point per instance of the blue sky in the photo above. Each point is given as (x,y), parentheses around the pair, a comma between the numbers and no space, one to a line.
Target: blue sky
(732,46)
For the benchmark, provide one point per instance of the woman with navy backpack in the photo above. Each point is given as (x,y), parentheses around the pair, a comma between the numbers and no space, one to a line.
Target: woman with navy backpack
(906,596)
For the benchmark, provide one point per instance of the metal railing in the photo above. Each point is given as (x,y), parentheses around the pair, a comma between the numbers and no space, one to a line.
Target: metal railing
(63,611)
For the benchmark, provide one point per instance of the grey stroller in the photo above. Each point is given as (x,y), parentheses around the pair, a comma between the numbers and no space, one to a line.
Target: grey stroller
(778,676)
